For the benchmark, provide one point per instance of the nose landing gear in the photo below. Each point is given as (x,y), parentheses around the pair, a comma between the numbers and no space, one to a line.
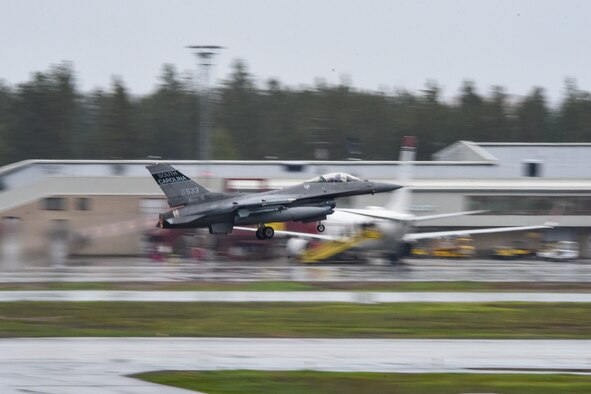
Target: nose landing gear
(320,228)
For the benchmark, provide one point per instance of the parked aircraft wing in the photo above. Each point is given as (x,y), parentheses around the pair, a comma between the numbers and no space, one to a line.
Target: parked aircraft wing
(458,233)
(446,215)
(377,213)
(294,234)
(390,215)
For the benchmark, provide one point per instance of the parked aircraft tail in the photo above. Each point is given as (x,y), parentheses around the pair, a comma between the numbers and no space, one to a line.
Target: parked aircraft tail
(399,202)
(178,188)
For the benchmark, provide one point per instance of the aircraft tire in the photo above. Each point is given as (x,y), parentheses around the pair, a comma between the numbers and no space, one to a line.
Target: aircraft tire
(405,249)
(320,228)
(268,232)
(260,234)
(394,258)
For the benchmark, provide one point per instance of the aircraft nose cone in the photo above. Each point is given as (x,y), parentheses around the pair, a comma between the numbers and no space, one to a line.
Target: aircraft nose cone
(381,187)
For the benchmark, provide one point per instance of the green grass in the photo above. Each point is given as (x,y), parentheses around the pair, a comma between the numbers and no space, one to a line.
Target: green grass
(465,286)
(302,320)
(304,382)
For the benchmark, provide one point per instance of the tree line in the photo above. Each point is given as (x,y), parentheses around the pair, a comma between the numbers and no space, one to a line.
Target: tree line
(48,117)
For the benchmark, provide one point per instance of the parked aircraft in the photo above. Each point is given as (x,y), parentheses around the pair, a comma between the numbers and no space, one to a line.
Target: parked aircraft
(194,206)
(394,221)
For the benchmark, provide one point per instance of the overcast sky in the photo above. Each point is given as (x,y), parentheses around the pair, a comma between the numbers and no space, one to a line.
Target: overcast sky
(376,45)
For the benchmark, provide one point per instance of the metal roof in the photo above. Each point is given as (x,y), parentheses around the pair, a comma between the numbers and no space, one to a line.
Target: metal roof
(554,160)
(469,164)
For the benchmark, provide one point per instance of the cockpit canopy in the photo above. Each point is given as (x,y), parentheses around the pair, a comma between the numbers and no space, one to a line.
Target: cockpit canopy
(334,177)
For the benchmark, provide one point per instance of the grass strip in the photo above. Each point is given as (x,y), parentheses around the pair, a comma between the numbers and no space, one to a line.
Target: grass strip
(303,382)
(462,286)
(502,320)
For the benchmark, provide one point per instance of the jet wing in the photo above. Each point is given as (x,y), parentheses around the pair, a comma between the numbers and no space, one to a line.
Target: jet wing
(458,233)
(389,215)
(255,201)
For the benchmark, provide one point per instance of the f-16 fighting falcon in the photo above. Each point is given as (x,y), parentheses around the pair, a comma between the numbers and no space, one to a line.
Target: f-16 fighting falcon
(194,206)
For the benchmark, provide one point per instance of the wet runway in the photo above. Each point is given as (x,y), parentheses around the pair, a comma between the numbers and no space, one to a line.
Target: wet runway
(98,365)
(360,297)
(139,270)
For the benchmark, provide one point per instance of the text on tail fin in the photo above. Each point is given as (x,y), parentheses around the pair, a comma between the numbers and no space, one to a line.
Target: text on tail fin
(178,188)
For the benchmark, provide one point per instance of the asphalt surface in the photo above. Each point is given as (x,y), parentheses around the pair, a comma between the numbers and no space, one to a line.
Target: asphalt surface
(144,270)
(99,365)
(289,296)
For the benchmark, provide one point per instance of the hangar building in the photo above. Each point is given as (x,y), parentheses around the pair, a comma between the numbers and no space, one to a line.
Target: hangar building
(116,202)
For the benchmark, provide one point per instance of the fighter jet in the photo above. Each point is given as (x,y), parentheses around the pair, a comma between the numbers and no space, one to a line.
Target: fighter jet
(193,206)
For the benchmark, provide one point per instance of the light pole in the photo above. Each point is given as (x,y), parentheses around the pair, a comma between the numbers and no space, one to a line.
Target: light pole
(205,56)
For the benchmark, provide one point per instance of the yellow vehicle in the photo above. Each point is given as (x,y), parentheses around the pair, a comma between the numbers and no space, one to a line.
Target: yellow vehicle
(458,247)
(503,252)
(517,251)
(420,251)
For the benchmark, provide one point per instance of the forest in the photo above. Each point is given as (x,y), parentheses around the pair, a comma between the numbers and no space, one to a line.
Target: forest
(48,117)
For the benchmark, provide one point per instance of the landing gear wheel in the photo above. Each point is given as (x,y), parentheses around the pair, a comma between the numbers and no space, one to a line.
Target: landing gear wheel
(394,258)
(260,234)
(268,232)
(320,228)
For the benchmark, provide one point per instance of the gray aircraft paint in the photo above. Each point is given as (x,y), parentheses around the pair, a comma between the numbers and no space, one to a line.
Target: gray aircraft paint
(194,206)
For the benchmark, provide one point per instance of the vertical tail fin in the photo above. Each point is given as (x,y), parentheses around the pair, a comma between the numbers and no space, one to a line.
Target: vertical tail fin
(399,201)
(178,188)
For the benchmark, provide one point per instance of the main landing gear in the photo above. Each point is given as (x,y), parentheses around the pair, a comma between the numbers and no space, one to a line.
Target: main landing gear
(265,232)
(320,228)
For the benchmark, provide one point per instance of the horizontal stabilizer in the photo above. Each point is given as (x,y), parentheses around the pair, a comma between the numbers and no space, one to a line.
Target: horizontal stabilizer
(184,219)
